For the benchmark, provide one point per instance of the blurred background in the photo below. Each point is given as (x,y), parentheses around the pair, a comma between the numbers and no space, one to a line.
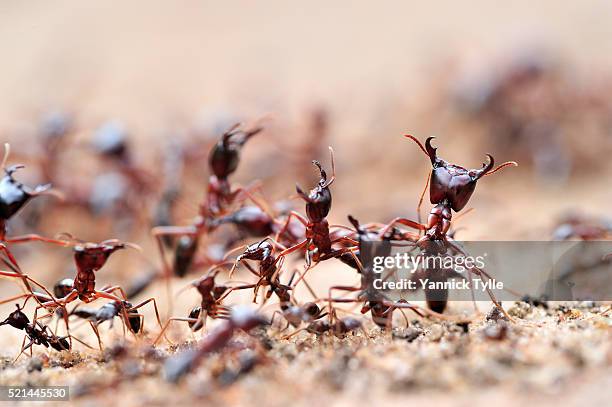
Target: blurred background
(118,105)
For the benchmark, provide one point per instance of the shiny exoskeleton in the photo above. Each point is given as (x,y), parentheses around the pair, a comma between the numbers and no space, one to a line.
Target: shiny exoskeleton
(318,241)
(37,333)
(295,315)
(14,195)
(264,253)
(451,187)
(89,258)
(109,311)
(210,306)
(223,161)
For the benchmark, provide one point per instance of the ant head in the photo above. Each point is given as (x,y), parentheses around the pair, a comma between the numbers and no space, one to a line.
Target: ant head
(17,319)
(13,194)
(257,251)
(93,256)
(453,183)
(63,287)
(319,199)
(225,154)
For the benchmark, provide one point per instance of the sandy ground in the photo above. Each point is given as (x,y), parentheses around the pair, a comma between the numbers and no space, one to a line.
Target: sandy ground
(164,68)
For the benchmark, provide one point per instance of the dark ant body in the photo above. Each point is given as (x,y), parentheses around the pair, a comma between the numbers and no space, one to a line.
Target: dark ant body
(89,258)
(450,189)
(221,195)
(318,241)
(109,311)
(210,305)
(241,319)
(13,196)
(37,333)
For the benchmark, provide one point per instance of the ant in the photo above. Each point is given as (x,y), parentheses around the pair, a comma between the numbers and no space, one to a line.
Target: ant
(269,269)
(13,196)
(339,327)
(37,333)
(223,162)
(295,315)
(318,240)
(450,188)
(89,258)
(380,308)
(108,312)
(210,306)
(243,319)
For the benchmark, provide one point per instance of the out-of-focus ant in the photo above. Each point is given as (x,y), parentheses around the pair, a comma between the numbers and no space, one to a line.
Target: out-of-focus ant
(242,319)
(221,195)
(13,196)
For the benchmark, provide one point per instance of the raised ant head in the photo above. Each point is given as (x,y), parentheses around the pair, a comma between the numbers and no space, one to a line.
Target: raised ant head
(17,319)
(452,183)
(225,154)
(259,251)
(90,256)
(319,199)
(13,194)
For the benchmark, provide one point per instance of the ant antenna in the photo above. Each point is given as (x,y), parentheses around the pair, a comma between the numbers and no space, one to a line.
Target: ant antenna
(7,152)
(501,166)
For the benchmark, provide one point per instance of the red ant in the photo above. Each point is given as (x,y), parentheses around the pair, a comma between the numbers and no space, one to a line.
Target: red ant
(318,240)
(223,161)
(241,319)
(89,258)
(210,305)
(450,189)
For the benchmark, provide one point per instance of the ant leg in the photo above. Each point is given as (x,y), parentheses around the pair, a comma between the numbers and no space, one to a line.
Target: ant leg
(308,287)
(240,287)
(165,327)
(23,348)
(27,280)
(402,221)
(285,226)
(344,239)
(16,297)
(82,342)
(94,327)
(159,233)
(481,273)
(36,238)
(112,289)
(418,210)
(145,302)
